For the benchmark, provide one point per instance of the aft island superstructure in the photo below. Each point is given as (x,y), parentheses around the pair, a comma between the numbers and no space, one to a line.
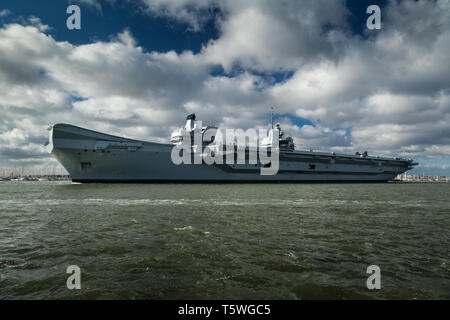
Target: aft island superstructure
(94,157)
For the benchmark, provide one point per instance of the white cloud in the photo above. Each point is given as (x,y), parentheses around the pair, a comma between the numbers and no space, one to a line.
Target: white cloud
(112,86)
(267,35)
(4,13)
(392,91)
(35,21)
(192,12)
(91,3)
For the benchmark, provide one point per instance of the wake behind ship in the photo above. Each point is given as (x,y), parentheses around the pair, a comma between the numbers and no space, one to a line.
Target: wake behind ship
(92,157)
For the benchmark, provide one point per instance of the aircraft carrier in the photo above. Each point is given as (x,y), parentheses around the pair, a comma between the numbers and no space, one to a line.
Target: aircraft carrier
(94,157)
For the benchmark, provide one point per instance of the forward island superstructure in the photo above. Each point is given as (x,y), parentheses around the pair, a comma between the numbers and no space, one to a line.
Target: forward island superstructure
(94,157)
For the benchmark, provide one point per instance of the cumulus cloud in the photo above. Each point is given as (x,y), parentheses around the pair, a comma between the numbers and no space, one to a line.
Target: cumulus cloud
(269,36)
(4,13)
(388,93)
(110,86)
(194,13)
(91,3)
(392,90)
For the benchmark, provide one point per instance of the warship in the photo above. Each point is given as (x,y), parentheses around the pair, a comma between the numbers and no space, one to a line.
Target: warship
(95,157)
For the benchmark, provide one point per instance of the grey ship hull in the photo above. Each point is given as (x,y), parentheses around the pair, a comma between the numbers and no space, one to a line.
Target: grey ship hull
(92,157)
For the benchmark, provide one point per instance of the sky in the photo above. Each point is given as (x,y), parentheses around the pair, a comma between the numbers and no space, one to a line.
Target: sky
(136,68)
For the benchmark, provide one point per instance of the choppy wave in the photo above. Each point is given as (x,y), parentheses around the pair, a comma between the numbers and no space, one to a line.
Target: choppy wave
(191,230)
(202,202)
(224,242)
